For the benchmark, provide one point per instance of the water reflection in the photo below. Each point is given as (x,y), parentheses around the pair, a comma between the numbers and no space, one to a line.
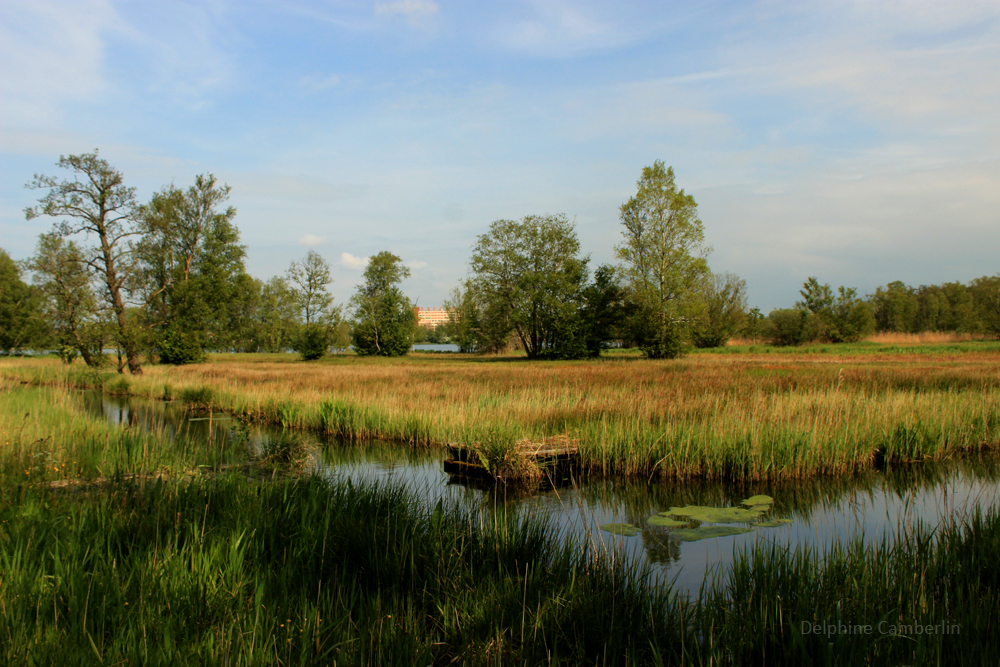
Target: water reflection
(871,505)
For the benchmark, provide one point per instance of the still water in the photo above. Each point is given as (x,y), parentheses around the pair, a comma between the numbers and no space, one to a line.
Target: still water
(872,505)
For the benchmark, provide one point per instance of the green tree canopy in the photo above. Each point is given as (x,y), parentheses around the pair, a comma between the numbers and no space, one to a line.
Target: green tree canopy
(310,279)
(530,279)
(383,317)
(664,256)
(21,324)
(70,305)
(96,202)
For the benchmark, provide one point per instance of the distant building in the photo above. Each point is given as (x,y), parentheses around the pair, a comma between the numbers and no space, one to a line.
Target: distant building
(432,317)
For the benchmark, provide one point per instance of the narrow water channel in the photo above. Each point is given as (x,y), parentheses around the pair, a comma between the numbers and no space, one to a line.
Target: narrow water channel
(821,511)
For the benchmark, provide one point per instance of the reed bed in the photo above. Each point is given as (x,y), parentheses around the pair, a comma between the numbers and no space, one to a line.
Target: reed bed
(226,571)
(746,417)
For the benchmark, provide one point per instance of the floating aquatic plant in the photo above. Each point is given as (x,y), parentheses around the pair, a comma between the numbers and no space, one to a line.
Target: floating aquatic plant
(714,514)
(695,534)
(625,529)
(753,501)
(657,520)
(773,523)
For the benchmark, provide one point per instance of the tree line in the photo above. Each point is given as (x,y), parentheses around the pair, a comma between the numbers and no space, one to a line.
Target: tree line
(165,280)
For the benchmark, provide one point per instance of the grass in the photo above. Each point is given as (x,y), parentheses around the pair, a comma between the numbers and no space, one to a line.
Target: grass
(227,571)
(734,413)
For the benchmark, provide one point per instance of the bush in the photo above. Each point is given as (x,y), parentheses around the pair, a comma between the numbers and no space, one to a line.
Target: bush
(179,348)
(312,342)
(786,326)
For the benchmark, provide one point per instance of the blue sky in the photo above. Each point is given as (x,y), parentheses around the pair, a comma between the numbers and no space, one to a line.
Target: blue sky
(858,142)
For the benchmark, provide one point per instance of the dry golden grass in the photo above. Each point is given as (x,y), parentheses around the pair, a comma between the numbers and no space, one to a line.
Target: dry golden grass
(714,415)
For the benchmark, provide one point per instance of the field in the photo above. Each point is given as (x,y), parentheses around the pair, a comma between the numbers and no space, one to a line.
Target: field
(744,413)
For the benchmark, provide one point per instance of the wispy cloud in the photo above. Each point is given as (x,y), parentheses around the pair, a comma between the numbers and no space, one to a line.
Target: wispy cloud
(414,12)
(416,265)
(312,240)
(352,262)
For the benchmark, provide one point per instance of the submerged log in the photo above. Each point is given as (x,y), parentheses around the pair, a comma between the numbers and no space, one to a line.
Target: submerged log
(529,458)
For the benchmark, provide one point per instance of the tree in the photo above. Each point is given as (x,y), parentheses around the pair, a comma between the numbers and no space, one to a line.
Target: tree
(383,318)
(605,310)
(840,318)
(786,326)
(20,317)
(70,305)
(664,257)
(97,202)
(719,309)
(277,316)
(192,275)
(311,278)
(530,279)
(986,294)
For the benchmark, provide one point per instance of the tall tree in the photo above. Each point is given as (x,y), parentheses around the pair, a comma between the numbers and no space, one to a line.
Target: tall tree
(192,275)
(838,318)
(529,273)
(60,272)
(383,318)
(21,323)
(310,279)
(664,255)
(277,316)
(97,203)
(719,309)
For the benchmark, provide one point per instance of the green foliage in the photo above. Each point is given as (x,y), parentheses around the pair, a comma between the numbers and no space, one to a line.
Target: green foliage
(191,266)
(664,259)
(69,302)
(97,202)
(313,341)
(840,318)
(529,280)
(605,310)
(21,324)
(786,326)
(181,347)
(718,310)
(310,279)
(478,325)
(383,318)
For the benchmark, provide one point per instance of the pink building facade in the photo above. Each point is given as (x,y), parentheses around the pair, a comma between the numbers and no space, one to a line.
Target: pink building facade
(431,317)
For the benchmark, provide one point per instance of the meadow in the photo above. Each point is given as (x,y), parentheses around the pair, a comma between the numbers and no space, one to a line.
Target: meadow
(743,413)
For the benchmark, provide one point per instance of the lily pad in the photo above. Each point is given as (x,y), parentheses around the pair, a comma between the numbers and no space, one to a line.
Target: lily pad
(758,500)
(625,529)
(760,508)
(657,520)
(715,514)
(773,523)
(695,534)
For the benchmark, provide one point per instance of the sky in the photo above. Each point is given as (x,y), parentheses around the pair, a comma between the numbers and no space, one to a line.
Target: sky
(858,142)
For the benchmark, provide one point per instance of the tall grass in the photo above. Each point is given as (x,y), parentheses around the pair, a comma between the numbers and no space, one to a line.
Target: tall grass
(743,416)
(227,571)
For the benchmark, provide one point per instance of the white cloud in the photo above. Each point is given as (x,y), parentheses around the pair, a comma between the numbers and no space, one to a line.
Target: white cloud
(415,12)
(416,265)
(51,55)
(312,239)
(352,262)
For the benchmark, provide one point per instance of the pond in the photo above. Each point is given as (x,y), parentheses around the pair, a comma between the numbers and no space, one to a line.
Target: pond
(818,511)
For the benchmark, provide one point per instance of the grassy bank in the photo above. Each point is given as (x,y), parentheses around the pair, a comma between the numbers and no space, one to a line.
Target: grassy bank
(225,570)
(742,415)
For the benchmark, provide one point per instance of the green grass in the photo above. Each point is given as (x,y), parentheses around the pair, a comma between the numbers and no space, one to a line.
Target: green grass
(228,571)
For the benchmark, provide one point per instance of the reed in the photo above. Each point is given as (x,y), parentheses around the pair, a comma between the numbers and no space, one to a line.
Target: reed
(745,416)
